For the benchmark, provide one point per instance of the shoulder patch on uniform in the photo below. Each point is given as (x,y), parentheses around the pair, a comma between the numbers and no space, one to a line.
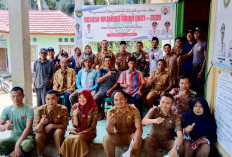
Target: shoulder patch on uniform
(138,115)
(95,115)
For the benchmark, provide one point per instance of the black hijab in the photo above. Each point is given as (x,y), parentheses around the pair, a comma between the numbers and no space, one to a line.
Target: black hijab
(205,125)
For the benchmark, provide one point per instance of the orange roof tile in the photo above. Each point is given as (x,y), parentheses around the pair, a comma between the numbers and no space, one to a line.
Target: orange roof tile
(52,22)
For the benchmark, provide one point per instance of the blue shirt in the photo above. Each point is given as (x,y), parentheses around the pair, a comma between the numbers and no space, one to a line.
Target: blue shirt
(198,52)
(187,64)
(109,81)
(87,79)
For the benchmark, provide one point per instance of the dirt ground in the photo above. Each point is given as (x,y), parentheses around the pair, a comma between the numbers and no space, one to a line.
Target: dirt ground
(5,100)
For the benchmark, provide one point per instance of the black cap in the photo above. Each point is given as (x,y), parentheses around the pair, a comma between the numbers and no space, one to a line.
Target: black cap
(167,23)
(122,42)
(43,50)
(50,49)
(154,23)
(197,29)
(64,53)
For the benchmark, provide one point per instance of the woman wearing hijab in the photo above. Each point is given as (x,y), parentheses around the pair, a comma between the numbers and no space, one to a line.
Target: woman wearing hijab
(88,53)
(76,60)
(84,119)
(199,129)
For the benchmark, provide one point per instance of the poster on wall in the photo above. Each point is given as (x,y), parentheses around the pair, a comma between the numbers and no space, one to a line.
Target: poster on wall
(222,47)
(223,111)
(124,22)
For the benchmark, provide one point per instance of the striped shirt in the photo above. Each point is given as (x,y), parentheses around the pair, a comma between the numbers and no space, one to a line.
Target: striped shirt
(133,79)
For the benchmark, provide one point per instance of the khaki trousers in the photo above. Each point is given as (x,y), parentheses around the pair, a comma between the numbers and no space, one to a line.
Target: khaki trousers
(112,140)
(42,138)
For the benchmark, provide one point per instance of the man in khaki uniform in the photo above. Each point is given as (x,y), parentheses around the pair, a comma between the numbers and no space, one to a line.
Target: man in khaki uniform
(51,120)
(101,55)
(65,82)
(122,57)
(123,125)
(161,82)
(163,123)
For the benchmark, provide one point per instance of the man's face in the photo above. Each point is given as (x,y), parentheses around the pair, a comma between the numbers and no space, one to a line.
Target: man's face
(167,50)
(155,44)
(64,64)
(51,100)
(120,100)
(184,84)
(51,53)
(43,55)
(16,97)
(189,36)
(166,104)
(197,35)
(132,65)
(167,27)
(88,64)
(89,27)
(160,66)
(104,45)
(108,62)
(123,47)
(178,42)
(139,47)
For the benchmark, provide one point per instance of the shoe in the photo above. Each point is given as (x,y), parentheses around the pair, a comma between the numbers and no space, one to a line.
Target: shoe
(59,155)
(102,115)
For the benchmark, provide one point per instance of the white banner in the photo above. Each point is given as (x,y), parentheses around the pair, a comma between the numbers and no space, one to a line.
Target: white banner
(222,46)
(125,22)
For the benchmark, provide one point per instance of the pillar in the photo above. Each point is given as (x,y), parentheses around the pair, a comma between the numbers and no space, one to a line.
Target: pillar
(79,3)
(20,46)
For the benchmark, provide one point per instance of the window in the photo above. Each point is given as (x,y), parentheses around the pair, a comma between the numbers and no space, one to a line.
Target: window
(67,48)
(33,52)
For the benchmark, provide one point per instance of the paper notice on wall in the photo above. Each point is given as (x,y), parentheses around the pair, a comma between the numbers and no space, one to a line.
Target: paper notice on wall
(223,111)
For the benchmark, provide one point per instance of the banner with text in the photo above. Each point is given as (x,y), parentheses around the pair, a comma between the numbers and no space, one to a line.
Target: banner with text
(125,22)
(222,46)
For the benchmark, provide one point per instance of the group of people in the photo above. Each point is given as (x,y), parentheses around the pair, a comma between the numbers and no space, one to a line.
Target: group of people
(141,78)
(194,132)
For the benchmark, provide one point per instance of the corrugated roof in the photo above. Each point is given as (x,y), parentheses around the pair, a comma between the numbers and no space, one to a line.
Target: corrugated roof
(52,22)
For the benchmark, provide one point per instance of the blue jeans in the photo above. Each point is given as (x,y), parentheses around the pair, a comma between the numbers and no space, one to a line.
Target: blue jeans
(66,101)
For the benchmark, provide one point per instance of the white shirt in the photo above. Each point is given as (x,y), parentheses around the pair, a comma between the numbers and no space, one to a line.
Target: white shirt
(158,54)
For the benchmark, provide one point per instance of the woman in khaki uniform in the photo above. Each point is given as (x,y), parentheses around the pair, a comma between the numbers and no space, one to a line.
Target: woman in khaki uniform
(84,119)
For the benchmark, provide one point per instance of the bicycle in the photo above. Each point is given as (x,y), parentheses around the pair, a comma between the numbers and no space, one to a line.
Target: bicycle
(4,85)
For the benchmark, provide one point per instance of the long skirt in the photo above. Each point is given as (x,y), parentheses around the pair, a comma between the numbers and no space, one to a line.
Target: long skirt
(76,145)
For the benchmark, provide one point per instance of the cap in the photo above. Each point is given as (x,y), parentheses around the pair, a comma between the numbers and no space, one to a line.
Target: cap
(64,53)
(88,24)
(223,28)
(50,49)
(167,23)
(88,58)
(122,42)
(197,29)
(43,50)
(78,24)
(154,23)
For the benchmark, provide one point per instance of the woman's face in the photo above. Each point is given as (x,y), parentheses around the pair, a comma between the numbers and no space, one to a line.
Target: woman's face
(87,49)
(77,51)
(82,99)
(198,109)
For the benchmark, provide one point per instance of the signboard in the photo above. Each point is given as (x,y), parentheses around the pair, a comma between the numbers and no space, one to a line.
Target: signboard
(223,111)
(222,46)
(125,22)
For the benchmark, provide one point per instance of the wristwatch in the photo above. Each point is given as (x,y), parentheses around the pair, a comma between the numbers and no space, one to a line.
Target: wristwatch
(177,147)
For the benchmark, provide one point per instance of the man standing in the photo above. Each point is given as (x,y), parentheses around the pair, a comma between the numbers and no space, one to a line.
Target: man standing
(105,52)
(86,78)
(183,96)
(142,59)
(122,57)
(163,123)
(154,54)
(65,82)
(154,32)
(123,126)
(43,74)
(160,81)
(179,45)
(171,62)
(199,52)
(51,121)
(107,80)
(19,119)
(51,55)
(131,81)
